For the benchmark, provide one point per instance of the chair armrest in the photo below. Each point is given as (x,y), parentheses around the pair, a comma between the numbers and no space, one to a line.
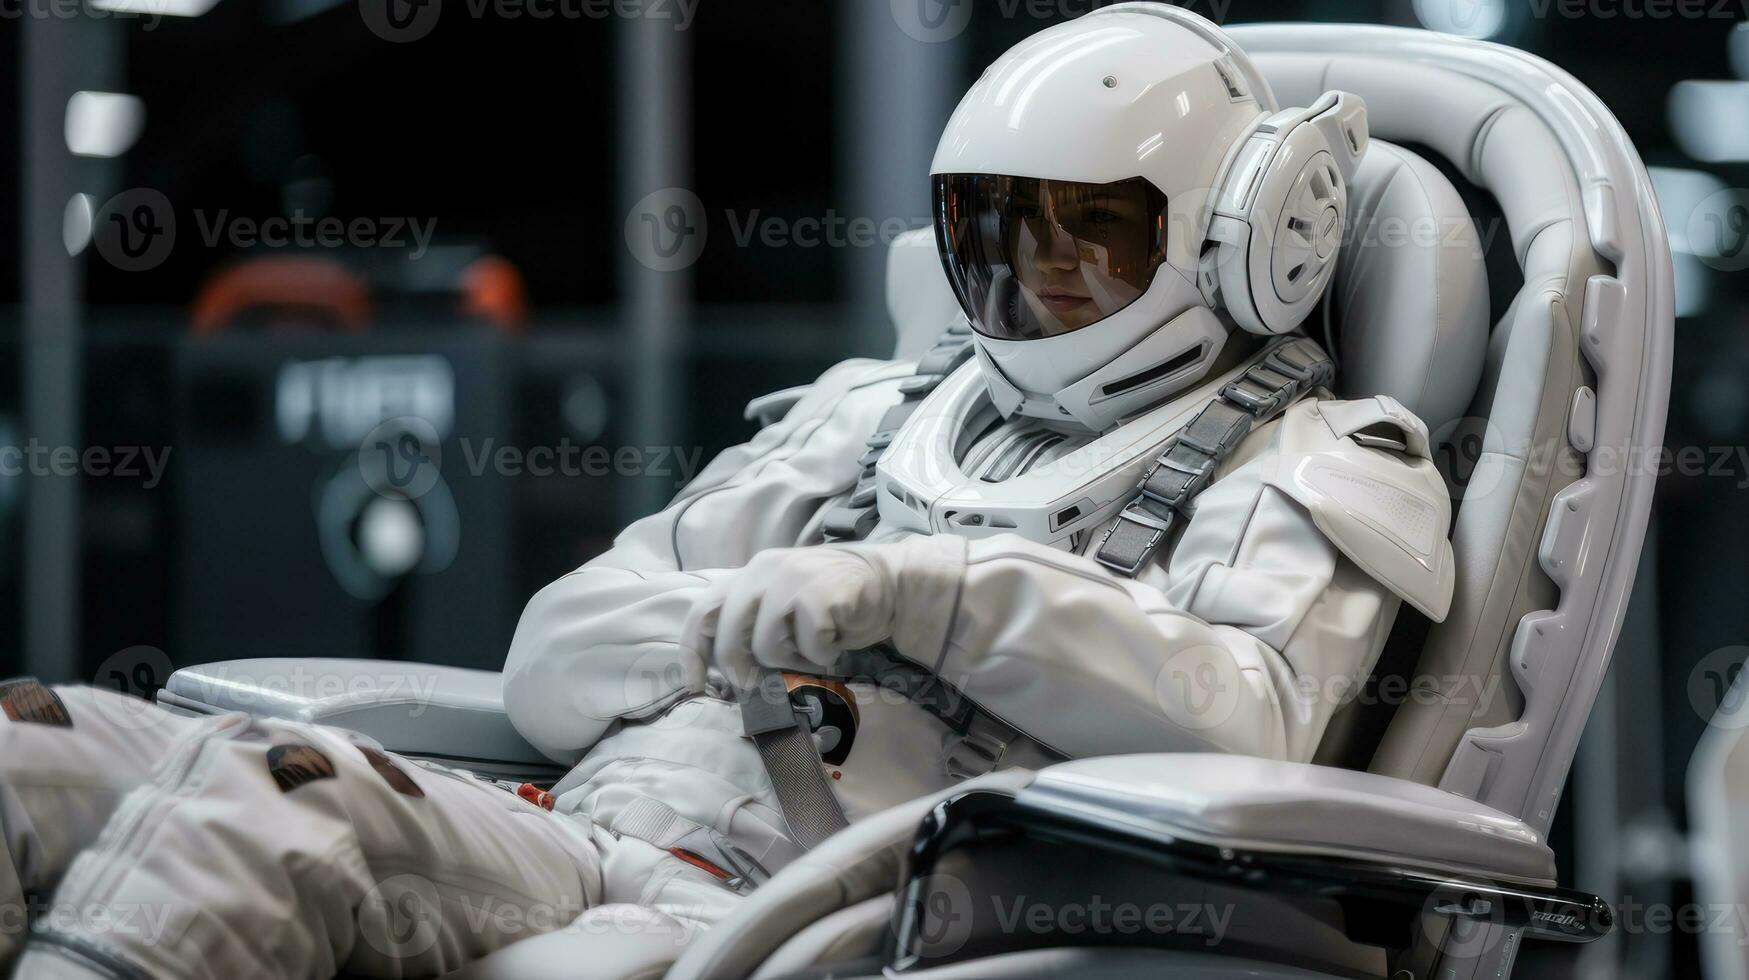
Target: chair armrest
(449,714)
(1250,804)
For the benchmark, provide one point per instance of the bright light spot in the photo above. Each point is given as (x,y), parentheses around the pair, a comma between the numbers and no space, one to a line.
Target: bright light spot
(1679,193)
(1466,18)
(1693,284)
(103,124)
(1707,120)
(163,8)
(1682,195)
(390,537)
(76,223)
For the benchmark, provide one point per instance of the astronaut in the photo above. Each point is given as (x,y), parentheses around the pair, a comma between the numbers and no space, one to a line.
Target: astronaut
(1115,509)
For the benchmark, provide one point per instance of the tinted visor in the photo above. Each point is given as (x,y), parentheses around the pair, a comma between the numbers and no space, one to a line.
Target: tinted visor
(1035,258)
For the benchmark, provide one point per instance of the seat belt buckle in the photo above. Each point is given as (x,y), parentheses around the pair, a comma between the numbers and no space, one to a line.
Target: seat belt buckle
(766,707)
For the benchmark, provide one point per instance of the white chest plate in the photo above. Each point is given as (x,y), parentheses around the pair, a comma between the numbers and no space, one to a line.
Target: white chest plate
(921,487)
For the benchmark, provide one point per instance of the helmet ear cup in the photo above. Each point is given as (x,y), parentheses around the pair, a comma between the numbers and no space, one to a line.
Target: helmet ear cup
(1279,217)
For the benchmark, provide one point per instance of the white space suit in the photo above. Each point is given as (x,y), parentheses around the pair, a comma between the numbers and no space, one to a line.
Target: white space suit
(1113,207)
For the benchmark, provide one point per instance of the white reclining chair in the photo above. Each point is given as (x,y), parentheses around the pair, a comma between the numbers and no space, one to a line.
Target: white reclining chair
(1417,846)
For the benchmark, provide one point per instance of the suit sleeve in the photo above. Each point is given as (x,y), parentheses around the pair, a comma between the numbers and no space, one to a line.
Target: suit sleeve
(601,643)
(1247,643)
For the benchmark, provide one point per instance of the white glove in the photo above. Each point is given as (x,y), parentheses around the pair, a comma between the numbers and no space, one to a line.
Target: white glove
(800,608)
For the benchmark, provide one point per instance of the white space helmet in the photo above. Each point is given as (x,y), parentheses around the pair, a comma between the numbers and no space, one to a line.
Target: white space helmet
(1111,182)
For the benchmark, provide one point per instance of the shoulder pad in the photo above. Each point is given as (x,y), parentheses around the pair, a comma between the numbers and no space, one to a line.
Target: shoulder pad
(1364,471)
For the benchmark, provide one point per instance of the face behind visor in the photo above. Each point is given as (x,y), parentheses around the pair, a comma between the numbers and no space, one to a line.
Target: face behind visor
(1032,258)
(1072,194)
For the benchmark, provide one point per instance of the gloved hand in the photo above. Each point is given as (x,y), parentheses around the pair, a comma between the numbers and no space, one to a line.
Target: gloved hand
(799,608)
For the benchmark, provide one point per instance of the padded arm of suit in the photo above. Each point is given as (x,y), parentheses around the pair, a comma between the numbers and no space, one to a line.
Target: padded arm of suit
(602,643)
(1265,622)
(1261,627)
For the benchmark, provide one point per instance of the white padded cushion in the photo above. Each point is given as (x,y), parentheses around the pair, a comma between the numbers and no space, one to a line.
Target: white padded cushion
(413,708)
(1294,808)
(919,298)
(1410,297)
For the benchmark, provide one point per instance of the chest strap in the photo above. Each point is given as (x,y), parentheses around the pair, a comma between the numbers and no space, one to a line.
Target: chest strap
(1167,495)
(855,520)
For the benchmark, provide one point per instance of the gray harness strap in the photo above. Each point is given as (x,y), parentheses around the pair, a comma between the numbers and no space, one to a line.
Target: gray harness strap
(792,761)
(856,519)
(1167,495)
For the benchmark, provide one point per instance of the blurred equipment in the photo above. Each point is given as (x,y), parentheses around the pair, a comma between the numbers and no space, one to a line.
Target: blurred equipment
(284,449)
(1718,806)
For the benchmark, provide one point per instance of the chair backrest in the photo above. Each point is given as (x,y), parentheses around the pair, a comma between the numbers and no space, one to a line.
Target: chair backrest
(1550,455)
(1572,398)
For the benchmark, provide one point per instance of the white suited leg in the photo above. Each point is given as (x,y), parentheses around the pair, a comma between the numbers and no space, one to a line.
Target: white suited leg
(655,904)
(272,849)
(67,757)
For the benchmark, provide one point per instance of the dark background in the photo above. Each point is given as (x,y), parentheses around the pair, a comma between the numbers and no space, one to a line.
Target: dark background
(517,137)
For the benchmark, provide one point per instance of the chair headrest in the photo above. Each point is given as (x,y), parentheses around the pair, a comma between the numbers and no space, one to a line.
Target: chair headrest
(1409,303)
(1409,300)
(919,298)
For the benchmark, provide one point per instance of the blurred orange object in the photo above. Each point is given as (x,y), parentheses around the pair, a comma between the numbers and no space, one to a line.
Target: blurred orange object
(298,289)
(493,289)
